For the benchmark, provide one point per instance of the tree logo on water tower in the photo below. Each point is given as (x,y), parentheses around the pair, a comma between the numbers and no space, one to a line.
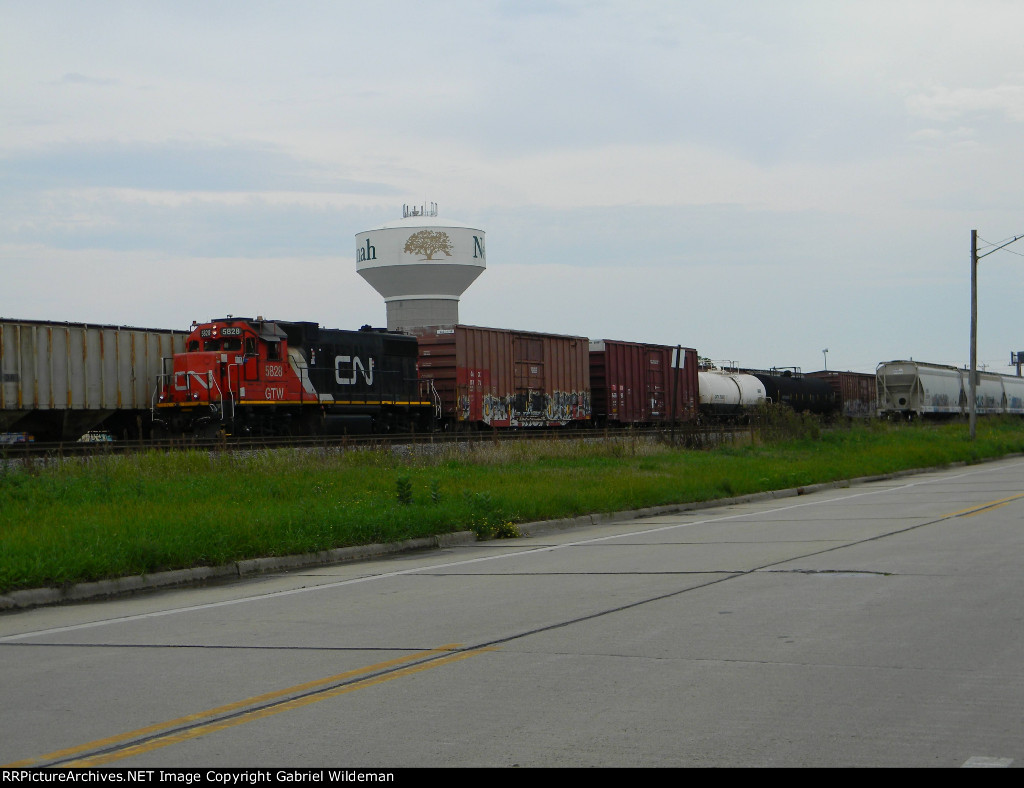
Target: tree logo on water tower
(429,243)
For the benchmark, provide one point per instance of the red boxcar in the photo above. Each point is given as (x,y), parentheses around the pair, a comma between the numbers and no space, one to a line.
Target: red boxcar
(505,378)
(636,383)
(857,391)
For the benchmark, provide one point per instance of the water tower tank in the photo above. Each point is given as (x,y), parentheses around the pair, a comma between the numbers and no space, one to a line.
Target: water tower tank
(421,265)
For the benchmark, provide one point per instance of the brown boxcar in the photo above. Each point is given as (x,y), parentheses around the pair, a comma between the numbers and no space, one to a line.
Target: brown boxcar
(636,383)
(505,378)
(857,391)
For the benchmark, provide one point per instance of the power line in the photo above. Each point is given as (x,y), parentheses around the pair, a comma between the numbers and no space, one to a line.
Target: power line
(1010,251)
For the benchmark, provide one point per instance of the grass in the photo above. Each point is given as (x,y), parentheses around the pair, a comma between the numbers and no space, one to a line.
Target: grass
(122,515)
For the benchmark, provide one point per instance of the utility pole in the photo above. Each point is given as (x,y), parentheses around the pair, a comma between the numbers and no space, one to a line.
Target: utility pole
(972,405)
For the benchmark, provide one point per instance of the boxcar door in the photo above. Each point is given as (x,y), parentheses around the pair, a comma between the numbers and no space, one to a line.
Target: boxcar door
(654,401)
(528,362)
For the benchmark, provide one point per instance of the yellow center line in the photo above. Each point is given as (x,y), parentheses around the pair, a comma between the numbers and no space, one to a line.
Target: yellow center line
(258,714)
(977,509)
(267,696)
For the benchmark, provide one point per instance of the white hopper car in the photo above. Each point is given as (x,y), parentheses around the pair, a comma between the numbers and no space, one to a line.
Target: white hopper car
(912,389)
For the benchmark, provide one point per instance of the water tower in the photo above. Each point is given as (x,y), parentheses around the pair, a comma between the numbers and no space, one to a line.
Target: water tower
(421,265)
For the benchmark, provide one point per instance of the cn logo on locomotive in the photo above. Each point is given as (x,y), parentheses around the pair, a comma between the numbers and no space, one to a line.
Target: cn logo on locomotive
(343,365)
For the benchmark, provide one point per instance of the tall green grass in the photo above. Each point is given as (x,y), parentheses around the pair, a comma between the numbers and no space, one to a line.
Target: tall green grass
(121,515)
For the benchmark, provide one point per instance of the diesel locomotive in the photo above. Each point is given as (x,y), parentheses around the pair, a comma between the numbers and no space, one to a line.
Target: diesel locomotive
(245,376)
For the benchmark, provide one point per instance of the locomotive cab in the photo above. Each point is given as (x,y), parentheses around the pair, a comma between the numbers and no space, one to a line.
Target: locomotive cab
(228,365)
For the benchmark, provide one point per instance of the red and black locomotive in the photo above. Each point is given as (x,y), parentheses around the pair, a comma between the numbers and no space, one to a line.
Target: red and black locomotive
(253,376)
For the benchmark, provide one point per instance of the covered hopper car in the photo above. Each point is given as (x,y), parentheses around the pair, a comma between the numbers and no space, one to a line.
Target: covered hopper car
(914,389)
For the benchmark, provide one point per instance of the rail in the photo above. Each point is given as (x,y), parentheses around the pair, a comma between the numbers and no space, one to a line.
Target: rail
(685,436)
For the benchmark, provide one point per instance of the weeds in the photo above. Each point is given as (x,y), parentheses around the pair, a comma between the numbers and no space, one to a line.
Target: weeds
(778,422)
(72,521)
(403,490)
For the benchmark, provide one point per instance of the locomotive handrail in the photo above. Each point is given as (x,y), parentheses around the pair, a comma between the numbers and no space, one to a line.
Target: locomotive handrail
(212,382)
(208,386)
(156,395)
(231,392)
(167,365)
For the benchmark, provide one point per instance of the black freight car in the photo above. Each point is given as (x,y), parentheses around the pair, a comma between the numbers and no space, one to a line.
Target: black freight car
(802,394)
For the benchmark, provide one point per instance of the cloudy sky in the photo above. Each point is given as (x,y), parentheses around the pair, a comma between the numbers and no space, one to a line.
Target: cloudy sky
(760,180)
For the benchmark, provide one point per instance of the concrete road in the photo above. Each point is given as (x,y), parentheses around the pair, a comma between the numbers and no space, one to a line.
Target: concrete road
(878,625)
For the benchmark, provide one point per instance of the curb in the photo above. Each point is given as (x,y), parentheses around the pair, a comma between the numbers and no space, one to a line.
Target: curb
(530,529)
(37,597)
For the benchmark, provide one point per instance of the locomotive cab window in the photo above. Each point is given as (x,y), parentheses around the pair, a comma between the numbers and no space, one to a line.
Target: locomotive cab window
(211,344)
(250,346)
(273,351)
(233,344)
(193,346)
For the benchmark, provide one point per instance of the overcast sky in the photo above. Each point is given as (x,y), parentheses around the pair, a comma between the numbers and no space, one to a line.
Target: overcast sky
(759,180)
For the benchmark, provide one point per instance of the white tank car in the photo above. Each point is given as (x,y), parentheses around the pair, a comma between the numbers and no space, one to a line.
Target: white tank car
(724,394)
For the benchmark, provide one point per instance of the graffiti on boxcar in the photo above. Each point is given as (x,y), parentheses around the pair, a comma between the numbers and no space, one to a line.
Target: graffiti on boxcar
(565,406)
(528,409)
(495,409)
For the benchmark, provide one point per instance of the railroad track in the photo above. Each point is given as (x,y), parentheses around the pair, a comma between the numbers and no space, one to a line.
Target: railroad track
(695,436)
